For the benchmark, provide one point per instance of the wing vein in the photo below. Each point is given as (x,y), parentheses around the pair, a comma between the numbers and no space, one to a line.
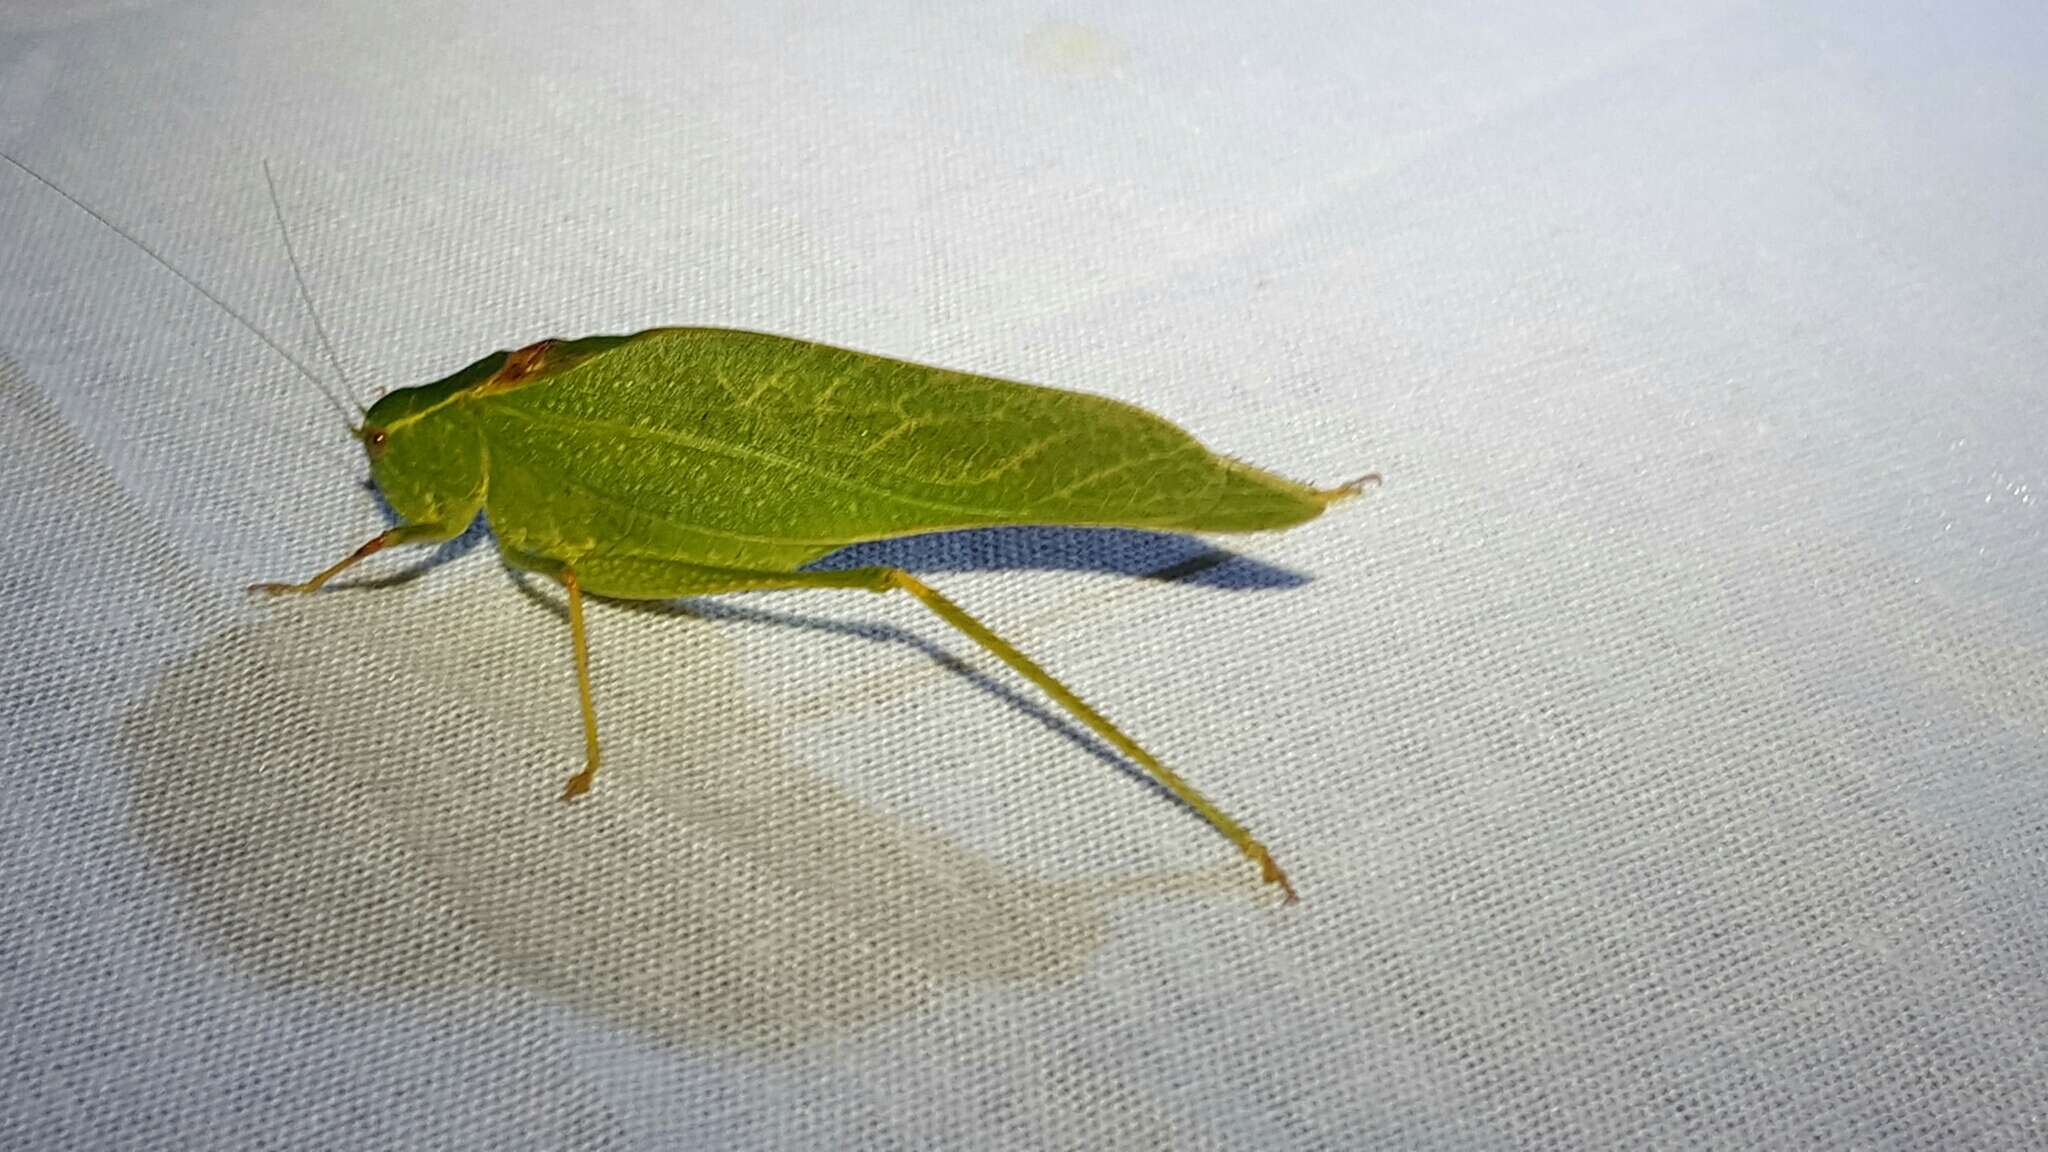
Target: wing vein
(735,452)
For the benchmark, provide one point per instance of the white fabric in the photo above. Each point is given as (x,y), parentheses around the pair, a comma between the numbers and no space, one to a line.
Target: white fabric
(1660,754)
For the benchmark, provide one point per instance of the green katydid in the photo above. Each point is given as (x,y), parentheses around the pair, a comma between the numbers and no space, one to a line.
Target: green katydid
(691,461)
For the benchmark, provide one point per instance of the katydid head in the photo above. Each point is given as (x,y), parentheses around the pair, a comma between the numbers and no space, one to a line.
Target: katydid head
(425,454)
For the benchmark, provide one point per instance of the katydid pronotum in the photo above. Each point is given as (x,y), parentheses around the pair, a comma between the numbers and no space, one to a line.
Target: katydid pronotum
(682,462)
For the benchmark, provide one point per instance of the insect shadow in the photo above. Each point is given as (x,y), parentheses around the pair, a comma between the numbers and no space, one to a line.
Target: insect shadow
(1164,556)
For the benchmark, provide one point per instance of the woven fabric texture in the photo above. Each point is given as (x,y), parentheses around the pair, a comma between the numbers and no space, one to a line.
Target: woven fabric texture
(1659,754)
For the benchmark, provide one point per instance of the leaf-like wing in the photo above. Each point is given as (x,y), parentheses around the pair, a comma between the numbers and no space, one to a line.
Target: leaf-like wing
(744,448)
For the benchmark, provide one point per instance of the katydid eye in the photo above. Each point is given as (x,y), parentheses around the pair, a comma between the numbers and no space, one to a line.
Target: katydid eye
(373,440)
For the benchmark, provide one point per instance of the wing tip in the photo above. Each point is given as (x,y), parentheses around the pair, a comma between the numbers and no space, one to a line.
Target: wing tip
(1349,489)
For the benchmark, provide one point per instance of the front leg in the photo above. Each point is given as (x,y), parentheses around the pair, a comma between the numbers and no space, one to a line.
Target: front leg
(403,534)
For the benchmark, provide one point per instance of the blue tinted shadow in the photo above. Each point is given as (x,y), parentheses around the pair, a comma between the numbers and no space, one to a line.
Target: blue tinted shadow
(1122,551)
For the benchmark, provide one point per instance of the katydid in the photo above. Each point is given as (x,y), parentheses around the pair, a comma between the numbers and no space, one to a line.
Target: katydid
(692,461)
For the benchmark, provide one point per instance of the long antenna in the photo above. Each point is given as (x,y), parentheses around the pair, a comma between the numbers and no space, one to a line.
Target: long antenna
(305,294)
(195,285)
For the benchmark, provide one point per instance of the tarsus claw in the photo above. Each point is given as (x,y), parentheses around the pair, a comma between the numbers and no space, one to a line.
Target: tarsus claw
(1270,872)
